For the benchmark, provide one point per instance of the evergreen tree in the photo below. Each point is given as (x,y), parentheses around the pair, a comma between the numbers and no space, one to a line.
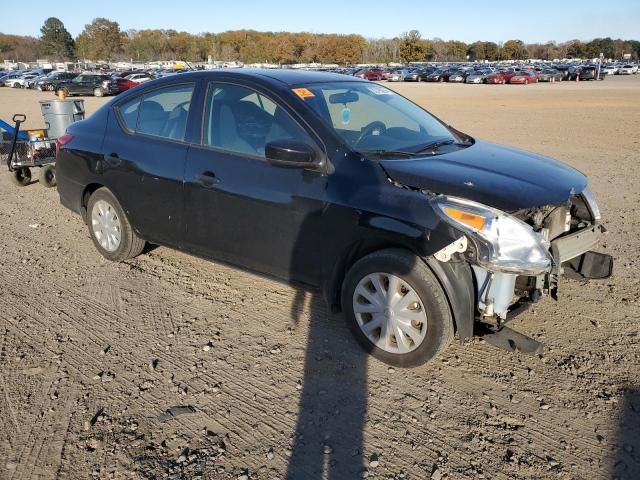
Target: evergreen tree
(56,41)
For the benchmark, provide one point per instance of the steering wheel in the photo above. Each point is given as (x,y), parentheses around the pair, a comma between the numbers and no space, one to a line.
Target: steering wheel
(371,129)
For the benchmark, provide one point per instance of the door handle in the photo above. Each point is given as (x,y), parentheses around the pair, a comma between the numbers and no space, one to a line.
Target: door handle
(207,179)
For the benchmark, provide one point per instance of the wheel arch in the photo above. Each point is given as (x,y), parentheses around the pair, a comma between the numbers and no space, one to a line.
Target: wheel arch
(455,278)
(84,201)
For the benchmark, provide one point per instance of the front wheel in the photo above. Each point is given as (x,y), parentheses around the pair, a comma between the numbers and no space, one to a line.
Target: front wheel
(396,308)
(110,229)
(98,92)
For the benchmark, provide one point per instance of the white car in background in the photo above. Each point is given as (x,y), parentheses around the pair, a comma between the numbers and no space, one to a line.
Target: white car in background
(18,82)
(609,69)
(138,77)
(627,70)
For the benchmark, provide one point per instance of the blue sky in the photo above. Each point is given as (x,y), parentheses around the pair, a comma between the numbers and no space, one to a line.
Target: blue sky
(496,20)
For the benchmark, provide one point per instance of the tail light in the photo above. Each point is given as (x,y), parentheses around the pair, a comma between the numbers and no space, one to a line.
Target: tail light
(63,140)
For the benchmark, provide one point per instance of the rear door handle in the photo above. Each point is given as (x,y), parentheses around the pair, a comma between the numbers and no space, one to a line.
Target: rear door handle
(207,179)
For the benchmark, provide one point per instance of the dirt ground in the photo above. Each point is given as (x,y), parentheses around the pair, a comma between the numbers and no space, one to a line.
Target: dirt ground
(168,366)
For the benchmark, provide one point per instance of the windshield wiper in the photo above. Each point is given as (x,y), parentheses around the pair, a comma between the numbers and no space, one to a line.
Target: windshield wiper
(435,145)
(380,152)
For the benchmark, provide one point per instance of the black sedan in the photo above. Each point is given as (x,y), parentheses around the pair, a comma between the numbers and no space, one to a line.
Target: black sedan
(411,228)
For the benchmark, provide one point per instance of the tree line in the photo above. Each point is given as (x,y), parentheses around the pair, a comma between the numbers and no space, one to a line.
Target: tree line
(103,40)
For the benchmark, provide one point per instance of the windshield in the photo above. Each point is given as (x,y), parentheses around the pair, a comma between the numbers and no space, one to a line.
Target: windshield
(369,117)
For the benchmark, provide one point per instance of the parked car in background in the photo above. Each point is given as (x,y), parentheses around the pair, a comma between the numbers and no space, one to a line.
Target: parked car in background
(626,70)
(53,79)
(436,76)
(32,82)
(8,77)
(566,70)
(374,74)
(139,77)
(387,72)
(19,82)
(550,74)
(418,75)
(478,76)
(115,85)
(399,74)
(524,77)
(456,76)
(609,69)
(84,84)
(588,72)
(263,169)
(498,78)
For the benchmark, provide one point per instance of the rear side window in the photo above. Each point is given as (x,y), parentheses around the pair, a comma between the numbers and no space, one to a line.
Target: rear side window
(160,113)
(129,113)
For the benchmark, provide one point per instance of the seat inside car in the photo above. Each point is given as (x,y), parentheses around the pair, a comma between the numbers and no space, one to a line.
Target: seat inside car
(176,122)
(225,132)
(153,118)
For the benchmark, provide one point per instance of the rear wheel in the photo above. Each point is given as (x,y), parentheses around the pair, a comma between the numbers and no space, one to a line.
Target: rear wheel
(21,176)
(98,92)
(396,308)
(47,176)
(110,229)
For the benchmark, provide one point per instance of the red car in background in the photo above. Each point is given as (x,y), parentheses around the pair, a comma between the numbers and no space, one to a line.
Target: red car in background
(387,72)
(524,77)
(116,85)
(369,74)
(501,76)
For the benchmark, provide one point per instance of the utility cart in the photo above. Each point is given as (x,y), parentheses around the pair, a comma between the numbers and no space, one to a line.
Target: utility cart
(22,155)
(22,151)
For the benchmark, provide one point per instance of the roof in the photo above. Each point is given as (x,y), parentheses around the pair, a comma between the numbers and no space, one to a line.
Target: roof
(287,76)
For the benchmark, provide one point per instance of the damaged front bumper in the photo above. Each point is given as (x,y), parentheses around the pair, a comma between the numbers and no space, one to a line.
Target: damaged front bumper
(572,257)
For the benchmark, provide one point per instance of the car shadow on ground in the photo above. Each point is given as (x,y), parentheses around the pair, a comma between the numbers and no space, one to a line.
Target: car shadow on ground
(626,463)
(328,438)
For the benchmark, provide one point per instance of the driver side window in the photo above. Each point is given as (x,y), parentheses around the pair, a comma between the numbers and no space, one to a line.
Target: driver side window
(243,121)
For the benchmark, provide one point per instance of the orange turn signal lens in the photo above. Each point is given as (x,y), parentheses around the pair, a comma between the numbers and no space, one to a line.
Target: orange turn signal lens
(470,219)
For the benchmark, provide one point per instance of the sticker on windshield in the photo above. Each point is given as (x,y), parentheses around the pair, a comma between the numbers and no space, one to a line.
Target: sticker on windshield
(379,90)
(303,92)
(346,116)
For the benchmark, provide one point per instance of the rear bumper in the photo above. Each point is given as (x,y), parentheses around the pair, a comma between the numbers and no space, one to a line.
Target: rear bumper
(70,193)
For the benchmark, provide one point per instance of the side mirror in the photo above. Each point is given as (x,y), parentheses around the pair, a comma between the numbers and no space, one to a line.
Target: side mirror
(290,154)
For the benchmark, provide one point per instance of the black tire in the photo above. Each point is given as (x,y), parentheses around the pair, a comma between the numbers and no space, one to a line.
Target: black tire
(47,177)
(131,245)
(415,272)
(21,176)
(98,92)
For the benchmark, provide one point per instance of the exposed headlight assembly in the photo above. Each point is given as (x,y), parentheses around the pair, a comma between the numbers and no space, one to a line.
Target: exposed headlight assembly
(503,243)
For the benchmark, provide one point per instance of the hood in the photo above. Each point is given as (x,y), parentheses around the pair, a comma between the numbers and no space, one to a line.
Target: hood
(501,177)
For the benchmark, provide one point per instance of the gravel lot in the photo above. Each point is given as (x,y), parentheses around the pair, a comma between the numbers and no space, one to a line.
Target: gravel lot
(265,383)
